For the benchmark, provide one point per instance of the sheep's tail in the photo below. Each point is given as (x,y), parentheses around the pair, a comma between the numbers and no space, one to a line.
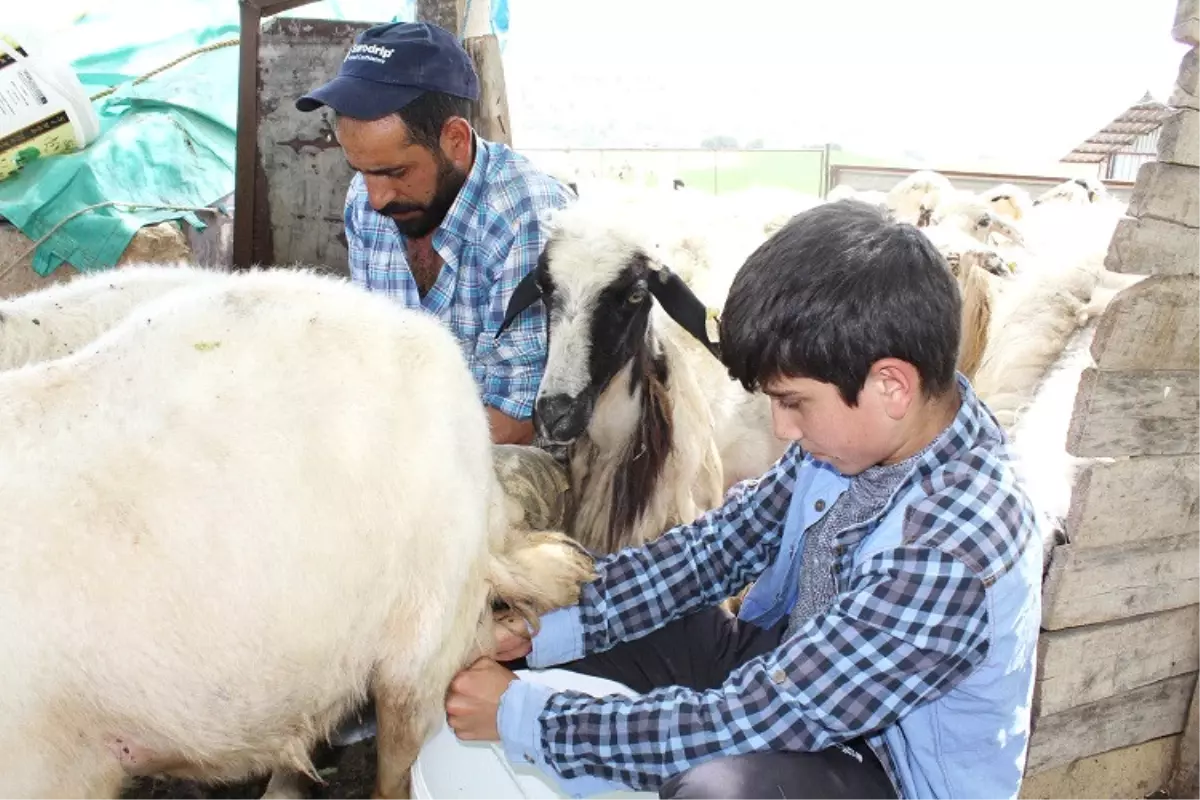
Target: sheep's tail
(537,572)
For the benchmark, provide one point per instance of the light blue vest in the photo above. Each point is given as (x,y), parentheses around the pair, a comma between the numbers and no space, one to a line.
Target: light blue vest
(971,741)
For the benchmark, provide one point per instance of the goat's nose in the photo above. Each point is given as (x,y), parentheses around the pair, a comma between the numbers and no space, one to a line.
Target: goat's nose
(559,417)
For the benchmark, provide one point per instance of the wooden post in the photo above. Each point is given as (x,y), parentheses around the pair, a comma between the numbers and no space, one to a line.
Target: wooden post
(489,116)
(447,14)
(246,190)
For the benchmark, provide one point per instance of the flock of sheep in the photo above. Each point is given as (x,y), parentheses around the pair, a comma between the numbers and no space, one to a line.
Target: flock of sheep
(229,498)
(1032,277)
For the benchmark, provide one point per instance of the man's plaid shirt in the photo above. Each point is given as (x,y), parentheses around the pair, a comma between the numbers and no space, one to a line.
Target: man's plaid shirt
(909,622)
(490,240)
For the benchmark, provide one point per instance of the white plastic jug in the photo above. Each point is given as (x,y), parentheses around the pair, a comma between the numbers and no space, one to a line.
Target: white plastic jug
(44,109)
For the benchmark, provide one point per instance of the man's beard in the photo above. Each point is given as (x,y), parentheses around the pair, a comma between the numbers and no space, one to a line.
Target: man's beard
(449,181)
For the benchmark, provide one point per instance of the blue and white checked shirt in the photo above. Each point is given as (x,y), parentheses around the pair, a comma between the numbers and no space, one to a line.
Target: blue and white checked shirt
(490,240)
(912,619)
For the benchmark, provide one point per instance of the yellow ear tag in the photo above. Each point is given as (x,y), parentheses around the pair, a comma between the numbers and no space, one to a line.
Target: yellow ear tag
(712,322)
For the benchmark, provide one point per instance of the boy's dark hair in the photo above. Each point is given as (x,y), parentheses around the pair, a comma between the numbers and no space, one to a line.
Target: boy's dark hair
(833,291)
(427,115)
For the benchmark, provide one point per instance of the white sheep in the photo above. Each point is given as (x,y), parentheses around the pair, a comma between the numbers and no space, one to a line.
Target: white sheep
(657,428)
(916,197)
(1008,200)
(1035,348)
(60,318)
(1080,191)
(227,519)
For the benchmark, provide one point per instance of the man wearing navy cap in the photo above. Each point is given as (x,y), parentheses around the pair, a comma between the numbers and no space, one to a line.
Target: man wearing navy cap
(436,216)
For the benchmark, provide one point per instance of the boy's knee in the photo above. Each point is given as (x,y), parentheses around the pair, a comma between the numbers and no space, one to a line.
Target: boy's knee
(721,777)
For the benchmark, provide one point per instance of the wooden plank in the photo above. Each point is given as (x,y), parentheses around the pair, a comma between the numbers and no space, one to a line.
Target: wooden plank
(1136,413)
(1185,778)
(1087,585)
(1179,142)
(447,14)
(1166,191)
(1119,774)
(1083,665)
(1153,247)
(490,119)
(304,171)
(1153,324)
(1146,713)
(1182,98)
(1164,490)
(1189,73)
(1187,22)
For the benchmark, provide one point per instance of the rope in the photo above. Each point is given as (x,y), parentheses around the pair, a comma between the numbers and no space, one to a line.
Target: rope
(205,49)
(8,268)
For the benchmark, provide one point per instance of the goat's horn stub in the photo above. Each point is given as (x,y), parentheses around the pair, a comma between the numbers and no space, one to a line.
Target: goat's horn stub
(684,307)
(526,294)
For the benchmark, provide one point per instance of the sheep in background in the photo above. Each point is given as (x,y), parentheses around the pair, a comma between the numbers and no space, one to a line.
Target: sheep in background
(657,430)
(1007,200)
(1036,348)
(872,197)
(916,197)
(283,603)
(974,272)
(1079,191)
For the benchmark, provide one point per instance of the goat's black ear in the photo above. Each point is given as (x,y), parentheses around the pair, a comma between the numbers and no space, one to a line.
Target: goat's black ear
(526,294)
(682,306)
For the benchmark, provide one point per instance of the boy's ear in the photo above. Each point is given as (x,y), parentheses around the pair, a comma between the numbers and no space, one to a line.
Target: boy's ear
(898,384)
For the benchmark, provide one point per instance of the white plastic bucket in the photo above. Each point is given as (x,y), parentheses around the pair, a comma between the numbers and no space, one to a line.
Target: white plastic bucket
(44,109)
(447,768)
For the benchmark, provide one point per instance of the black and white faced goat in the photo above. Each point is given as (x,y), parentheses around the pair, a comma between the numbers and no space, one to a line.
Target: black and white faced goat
(656,429)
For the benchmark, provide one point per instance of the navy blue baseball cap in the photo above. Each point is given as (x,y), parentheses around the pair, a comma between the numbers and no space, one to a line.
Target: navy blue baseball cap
(389,66)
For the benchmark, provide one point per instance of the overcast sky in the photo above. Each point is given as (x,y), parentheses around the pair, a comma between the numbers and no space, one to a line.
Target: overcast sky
(1024,78)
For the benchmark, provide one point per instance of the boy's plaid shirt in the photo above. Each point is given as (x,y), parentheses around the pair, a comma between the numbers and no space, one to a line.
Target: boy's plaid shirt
(908,622)
(491,238)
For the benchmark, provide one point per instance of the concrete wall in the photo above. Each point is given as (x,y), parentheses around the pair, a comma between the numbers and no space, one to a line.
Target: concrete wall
(865,178)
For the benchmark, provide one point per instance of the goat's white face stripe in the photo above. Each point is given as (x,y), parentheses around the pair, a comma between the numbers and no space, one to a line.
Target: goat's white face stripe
(585,256)
(570,349)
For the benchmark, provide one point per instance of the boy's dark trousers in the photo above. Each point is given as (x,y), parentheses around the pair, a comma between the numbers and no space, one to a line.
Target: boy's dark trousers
(700,651)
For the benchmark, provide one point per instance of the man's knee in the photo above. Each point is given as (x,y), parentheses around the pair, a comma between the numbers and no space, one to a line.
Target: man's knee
(728,776)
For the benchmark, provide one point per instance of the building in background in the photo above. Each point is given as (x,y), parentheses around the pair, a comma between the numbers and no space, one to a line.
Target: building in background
(1121,147)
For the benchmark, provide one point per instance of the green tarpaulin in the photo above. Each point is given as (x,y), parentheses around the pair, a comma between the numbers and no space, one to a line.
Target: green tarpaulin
(168,140)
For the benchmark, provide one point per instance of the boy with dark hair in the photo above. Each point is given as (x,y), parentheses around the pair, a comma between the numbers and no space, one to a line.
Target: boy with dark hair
(887,646)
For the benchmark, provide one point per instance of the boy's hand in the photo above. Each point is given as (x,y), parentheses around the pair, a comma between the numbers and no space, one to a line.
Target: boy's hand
(473,700)
(512,637)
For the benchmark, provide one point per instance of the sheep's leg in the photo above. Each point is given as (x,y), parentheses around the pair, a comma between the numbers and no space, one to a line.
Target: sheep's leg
(287,783)
(403,725)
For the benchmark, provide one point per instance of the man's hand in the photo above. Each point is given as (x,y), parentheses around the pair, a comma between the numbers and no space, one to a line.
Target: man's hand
(506,430)
(512,637)
(473,700)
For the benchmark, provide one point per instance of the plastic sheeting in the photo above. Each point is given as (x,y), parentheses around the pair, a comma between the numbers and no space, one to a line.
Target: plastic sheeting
(170,140)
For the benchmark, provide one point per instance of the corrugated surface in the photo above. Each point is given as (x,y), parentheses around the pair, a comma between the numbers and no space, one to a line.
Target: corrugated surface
(1122,134)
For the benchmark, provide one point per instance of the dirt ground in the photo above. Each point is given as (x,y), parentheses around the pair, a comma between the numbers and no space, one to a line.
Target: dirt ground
(348,772)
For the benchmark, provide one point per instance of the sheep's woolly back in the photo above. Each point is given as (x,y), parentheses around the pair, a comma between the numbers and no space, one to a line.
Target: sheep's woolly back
(59,319)
(290,399)
(1033,317)
(1038,439)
